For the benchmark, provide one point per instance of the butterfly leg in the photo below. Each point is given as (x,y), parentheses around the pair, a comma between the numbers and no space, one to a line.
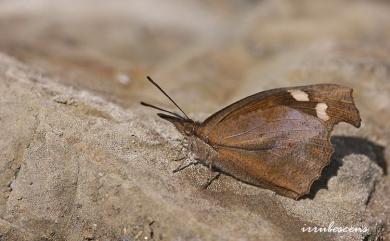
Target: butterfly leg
(208,183)
(181,151)
(179,159)
(211,165)
(182,166)
(210,161)
(184,146)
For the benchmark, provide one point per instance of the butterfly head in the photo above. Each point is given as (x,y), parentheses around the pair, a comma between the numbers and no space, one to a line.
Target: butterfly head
(185,126)
(183,123)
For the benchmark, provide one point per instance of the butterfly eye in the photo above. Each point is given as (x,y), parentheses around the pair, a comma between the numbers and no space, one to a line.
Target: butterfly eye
(189,130)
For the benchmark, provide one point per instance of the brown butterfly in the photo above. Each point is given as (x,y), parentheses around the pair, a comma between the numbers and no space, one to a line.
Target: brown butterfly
(277,139)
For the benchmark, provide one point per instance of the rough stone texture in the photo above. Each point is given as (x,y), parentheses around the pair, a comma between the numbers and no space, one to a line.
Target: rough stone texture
(80,160)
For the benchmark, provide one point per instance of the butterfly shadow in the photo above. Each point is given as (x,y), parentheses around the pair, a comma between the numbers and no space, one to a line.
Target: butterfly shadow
(344,146)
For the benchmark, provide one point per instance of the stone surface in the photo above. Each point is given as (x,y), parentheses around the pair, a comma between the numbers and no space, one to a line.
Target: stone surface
(80,167)
(81,160)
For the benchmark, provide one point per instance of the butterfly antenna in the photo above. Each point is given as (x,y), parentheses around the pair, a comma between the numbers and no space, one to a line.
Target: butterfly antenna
(161,109)
(155,84)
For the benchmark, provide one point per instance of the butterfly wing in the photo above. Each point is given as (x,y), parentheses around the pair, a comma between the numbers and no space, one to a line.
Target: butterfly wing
(279,139)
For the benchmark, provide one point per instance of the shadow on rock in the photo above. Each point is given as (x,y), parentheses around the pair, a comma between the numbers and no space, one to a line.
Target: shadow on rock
(344,146)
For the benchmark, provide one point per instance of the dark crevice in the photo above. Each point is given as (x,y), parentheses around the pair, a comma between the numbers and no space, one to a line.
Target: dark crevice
(370,194)
(344,146)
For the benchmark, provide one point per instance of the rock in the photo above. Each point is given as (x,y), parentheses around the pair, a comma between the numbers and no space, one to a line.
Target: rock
(112,168)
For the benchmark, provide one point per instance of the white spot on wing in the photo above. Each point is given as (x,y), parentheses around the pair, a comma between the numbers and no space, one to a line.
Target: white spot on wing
(299,95)
(321,111)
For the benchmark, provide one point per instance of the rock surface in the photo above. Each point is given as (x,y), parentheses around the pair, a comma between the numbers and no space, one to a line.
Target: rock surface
(80,160)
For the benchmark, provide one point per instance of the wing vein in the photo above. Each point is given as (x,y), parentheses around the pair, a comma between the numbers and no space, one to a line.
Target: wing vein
(254,128)
(332,113)
(275,147)
(331,99)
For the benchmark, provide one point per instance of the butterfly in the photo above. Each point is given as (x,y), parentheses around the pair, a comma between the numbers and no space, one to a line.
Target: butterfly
(277,139)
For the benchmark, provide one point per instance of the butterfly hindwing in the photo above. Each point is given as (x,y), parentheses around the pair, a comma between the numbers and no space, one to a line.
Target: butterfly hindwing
(286,149)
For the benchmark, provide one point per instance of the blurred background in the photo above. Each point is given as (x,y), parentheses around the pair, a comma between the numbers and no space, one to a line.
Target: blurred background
(206,54)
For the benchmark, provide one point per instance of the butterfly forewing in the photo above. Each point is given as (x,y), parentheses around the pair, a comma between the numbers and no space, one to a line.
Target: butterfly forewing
(265,128)
(338,98)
